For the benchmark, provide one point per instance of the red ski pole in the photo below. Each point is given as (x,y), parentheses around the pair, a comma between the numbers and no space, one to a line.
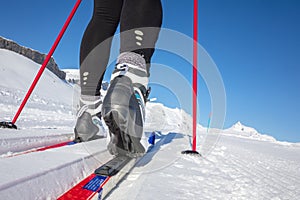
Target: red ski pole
(195,74)
(40,72)
(195,80)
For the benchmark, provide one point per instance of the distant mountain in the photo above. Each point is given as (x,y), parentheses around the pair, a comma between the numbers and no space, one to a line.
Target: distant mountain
(240,127)
(241,130)
(31,54)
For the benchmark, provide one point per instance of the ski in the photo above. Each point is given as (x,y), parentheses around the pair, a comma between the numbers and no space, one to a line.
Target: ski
(40,149)
(105,178)
(113,166)
(102,181)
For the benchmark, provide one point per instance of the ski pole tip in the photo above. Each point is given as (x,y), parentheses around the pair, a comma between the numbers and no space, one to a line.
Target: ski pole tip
(191,152)
(9,125)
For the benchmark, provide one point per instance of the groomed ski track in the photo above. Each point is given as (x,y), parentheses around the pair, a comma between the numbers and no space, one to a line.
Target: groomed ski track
(16,146)
(237,168)
(52,172)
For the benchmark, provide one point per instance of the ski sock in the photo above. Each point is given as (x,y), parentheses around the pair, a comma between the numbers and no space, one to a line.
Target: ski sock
(133,66)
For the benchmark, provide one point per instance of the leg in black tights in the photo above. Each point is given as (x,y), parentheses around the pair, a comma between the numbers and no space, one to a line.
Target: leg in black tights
(140,24)
(133,16)
(94,52)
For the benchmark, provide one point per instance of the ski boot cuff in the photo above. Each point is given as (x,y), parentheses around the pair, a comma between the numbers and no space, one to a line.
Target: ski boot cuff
(87,98)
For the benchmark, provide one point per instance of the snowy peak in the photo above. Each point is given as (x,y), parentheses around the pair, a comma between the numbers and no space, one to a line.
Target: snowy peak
(240,127)
(240,130)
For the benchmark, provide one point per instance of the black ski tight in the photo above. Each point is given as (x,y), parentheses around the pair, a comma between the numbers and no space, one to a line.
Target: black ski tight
(133,16)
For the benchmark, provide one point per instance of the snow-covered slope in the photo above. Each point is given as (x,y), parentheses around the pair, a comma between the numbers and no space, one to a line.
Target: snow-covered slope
(250,166)
(18,72)
(48,110)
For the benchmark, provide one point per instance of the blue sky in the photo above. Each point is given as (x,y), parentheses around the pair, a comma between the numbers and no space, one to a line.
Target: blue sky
(254,43)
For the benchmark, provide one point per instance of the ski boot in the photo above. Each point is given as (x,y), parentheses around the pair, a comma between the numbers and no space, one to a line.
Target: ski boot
(124,105)
(89,125)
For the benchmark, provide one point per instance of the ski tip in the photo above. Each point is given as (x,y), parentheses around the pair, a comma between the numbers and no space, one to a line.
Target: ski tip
(191,152)
(10,125)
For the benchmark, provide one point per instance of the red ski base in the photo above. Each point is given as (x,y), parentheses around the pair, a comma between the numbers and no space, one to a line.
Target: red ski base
(83,191)
(98,185)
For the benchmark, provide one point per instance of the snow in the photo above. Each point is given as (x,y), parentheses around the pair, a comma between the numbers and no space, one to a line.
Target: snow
(241,163)
(18,72)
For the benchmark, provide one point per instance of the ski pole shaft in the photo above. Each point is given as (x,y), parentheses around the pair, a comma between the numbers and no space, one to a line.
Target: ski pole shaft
(48,57)
(195,73)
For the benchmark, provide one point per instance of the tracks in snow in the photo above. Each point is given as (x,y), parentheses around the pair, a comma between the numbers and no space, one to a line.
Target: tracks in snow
(240,172)
(236,169)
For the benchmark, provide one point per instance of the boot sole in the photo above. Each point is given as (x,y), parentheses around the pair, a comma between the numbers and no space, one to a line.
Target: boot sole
(122,143)
(121,113)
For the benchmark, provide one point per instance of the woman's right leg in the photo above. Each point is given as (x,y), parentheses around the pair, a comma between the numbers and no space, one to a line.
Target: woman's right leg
(123,106)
